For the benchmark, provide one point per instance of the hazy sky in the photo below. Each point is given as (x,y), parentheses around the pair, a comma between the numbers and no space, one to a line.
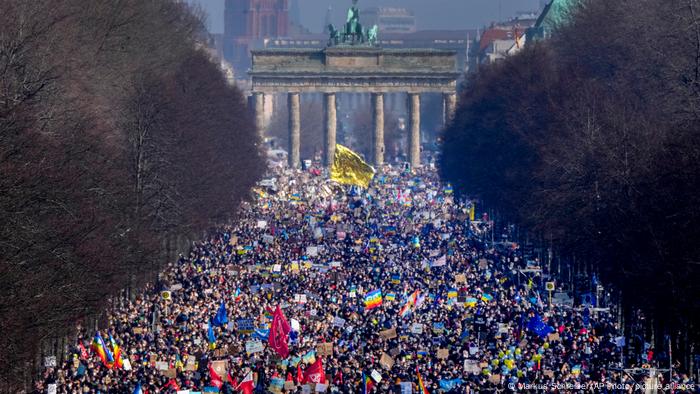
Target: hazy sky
(430,14)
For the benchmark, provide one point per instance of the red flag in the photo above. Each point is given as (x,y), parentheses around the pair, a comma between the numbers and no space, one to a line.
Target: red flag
(246,386)
(338,379)
(83,351)
(279,333)
(171,383)
(300,375)
(214,378)
(314,373)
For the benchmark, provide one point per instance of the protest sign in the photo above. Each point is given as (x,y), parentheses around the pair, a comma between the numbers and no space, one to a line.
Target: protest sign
(312,251)
(376,376)
(443,353)
(386,361)
(300,298)
(416,328)
(325,349)
(253,347)
(245,326)
(338,322)
(388,334)
(50,361)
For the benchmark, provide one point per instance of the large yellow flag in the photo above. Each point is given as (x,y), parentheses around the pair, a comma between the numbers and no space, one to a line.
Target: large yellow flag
(348,168)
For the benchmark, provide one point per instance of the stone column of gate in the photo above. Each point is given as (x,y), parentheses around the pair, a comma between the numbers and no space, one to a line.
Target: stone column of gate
(259,104)
(449,101)
(414,129)
(378,123)
(294,129)
(329,128)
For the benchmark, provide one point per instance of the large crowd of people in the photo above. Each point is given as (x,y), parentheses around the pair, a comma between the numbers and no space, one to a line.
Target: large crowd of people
(456,314)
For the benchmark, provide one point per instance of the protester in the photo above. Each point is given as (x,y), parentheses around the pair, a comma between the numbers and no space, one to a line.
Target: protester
(453,310)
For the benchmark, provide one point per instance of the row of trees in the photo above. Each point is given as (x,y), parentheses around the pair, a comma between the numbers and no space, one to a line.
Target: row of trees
(591,140)
(118,136)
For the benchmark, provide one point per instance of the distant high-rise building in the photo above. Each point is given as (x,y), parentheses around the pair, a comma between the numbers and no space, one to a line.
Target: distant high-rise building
(247,22)
(294,12)
(389,19)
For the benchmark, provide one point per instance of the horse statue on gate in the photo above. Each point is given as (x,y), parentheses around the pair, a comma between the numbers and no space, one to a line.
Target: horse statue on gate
(353,28)
(372,35)
(334,36)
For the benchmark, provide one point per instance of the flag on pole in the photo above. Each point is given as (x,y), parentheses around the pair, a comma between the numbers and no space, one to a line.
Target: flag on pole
(211,338)
(221,317)
(349,169)
(367,383)
(99,347)
(117,353)
(421,385)
(214,377)
(315,373)
(373,299)
(279,333)
(410,303)
(246,386)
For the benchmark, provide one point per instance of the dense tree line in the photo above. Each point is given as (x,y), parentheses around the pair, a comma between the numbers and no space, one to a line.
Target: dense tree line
(591,140)
(118,137)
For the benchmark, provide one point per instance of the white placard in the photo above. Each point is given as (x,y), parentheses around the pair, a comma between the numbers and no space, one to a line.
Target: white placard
(312,251)
(338,322)
(321,387)
(52,388)
(295,325)
(50,361)
(261,224)
(406,388)
(277,268)
(376,376)
(300,298)
(253,347)
(417,328)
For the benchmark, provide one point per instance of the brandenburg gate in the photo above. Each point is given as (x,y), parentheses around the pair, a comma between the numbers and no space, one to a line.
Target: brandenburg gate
(356,65)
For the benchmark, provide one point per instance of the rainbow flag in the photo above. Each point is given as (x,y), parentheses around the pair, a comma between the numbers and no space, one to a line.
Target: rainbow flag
(421,385)
(406,309)
(367,383)
(98,346)
(373,299)
(118,362)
